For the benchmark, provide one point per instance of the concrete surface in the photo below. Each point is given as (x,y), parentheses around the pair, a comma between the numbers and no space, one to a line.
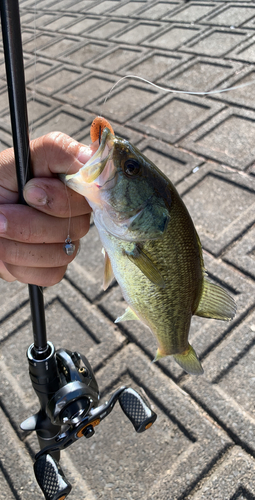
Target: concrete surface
(203,443)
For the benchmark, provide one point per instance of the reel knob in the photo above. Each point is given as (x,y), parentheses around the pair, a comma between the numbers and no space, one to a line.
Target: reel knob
(137,409)
(51,479)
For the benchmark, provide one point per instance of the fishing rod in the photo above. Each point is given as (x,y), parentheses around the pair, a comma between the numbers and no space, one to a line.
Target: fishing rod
(63,380)
(41,351)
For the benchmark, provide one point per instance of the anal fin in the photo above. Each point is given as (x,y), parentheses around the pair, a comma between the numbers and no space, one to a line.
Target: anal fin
(108,272)
(128,315)
(215,302)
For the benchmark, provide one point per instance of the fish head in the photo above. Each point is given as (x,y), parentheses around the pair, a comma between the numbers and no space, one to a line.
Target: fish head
(129,195)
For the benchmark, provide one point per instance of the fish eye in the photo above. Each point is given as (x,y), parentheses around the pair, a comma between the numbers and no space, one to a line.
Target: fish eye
(131,167)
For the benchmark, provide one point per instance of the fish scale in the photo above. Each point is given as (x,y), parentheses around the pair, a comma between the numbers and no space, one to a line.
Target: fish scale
(177,250)
(151,247)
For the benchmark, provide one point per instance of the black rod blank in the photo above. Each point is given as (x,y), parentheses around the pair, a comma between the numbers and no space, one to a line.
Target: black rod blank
(12,41)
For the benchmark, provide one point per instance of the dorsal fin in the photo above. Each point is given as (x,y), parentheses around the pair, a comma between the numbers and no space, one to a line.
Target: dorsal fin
(215,302)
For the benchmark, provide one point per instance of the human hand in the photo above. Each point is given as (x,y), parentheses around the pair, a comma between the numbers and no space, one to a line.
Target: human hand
(32,237)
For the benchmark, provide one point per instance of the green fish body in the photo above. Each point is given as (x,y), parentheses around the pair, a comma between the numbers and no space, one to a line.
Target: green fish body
(151,247)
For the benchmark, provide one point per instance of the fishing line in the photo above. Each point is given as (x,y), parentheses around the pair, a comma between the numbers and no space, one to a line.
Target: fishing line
(31,125)
(68,247)
(175,91)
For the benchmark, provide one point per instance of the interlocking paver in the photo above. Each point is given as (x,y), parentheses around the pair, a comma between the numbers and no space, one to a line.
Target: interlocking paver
(108,29)
(115,59)
(128,9)
(126,102)
(234,478)
(220,230)
(176,164)
(242,254)
(191,13)
(103,7)
(81,25)
(6,139)
(59,79)
(60,23)
(85,52)
(16,464)
(34,44)
(65,118)
(202,445)
(155,64)
(232,15)
(227,138)
(244,52)
(158,10)
(4,104)
(173,117)
(35,68)
(199,74)
(87,90)
(59,47)
(81,6)
(174,37)
(230,404)
(137,33)
(6,492)
(217,42)
(242,96)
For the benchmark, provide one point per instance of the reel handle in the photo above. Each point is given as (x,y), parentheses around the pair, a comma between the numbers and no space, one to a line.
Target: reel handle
(51,479)
(137,409)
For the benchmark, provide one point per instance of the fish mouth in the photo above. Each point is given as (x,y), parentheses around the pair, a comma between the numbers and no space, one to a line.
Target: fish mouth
(94,169)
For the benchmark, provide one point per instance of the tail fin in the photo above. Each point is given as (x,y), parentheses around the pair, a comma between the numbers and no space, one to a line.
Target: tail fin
(189,361)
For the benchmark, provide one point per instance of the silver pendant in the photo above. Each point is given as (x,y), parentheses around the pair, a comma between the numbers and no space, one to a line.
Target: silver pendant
(69,247)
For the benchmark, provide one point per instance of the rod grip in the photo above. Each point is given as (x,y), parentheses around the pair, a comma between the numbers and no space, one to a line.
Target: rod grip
(51,479)
(137,409)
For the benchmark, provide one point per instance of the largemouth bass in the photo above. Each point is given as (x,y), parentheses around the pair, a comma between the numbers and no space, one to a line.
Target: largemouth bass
(151,247)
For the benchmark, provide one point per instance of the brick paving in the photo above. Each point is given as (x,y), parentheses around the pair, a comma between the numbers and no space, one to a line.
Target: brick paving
(203,443)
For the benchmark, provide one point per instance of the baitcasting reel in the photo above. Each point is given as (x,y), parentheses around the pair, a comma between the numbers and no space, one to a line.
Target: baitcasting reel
(69,411)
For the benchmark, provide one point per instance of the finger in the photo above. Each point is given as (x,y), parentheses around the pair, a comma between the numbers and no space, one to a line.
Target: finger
(53,197)
(9,186)
(25,224)
(57,153)
(37,276)
(51,154)
(31,255)
(4,273)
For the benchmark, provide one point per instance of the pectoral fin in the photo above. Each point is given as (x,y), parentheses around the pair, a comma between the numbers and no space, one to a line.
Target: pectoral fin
(144,263)
(108,272)
(128,315)
(215,302)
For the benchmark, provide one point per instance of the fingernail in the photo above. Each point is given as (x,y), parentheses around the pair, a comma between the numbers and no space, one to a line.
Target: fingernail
(3,223)
(35,196)
(85,153)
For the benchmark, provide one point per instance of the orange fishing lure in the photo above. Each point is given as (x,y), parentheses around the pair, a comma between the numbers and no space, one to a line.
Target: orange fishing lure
(97,127)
